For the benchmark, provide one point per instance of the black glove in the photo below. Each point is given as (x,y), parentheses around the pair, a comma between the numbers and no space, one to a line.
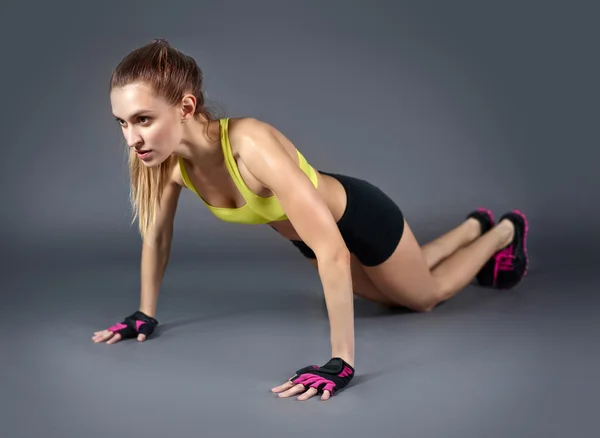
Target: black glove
(135,324)
(333,376)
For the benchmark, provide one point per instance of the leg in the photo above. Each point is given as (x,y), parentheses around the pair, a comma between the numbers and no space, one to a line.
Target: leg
(406,278)
(460,268)
(445,245)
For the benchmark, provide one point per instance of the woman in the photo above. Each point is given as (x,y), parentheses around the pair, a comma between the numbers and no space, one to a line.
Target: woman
(246,171)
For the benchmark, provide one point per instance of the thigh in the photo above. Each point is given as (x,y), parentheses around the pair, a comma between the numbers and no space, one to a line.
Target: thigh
(405,276)
(362,286)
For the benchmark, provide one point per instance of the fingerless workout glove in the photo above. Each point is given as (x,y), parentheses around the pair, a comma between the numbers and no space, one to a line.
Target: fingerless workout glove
(333,376)
(135,324)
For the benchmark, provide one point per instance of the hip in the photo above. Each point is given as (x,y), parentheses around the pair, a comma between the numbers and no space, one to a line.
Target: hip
(370,222)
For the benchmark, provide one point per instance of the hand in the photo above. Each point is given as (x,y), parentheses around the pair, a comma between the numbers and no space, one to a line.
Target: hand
(137,324)
(325,380)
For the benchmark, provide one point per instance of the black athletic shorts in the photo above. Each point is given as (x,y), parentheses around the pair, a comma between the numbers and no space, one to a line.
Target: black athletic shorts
(372,224)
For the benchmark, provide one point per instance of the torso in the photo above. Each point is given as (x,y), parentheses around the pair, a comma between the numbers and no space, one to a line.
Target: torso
(219,190)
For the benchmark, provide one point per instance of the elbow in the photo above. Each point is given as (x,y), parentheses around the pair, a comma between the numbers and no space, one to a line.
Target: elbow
(165,240)
(337,254)
(160,240)
(342,255)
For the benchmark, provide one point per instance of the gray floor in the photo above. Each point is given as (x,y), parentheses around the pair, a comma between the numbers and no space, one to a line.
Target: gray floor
(520,363)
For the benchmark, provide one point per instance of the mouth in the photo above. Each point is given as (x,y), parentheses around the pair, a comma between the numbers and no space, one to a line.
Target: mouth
(143,153)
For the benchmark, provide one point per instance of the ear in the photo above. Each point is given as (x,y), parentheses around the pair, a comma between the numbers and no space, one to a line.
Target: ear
(188,107)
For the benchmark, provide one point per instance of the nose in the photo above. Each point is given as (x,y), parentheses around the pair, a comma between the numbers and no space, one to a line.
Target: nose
(133,138)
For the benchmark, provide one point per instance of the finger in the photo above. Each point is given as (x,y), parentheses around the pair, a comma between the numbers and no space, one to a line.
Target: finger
(293,391)
(326,395)
(100,332)
(286,385)
(103,332)
(308,394)
(115,338)
(146,329)
(141,337)
(103,336)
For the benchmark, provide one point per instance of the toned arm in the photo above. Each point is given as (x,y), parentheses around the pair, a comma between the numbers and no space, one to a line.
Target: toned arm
(269,163)
(156,249)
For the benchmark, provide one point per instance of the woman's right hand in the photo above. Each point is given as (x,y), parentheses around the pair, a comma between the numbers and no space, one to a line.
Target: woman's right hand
(137,325)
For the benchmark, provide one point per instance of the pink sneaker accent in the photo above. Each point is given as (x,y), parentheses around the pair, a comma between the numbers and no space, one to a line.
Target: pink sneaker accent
(488,212)
(504,261)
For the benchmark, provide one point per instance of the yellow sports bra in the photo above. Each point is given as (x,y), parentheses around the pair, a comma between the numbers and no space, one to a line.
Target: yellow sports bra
(257,210)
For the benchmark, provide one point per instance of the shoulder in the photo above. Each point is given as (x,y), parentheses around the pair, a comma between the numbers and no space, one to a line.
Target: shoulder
(265,153)
(252,138)
(245,130)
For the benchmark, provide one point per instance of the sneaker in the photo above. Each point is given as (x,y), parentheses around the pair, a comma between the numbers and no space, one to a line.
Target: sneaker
(511,262)
(485,276)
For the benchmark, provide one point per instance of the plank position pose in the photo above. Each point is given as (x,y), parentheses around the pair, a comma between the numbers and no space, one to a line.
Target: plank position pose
(246,171)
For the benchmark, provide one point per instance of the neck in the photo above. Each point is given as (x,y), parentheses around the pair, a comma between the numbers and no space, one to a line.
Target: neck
(200,142)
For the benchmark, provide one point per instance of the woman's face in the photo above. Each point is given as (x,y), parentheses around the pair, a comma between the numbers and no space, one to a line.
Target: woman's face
(149,124)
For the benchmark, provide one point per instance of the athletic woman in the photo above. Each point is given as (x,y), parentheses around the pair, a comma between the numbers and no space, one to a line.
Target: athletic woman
(245,170)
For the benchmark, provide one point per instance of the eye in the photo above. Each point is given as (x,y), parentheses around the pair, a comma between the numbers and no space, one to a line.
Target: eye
(143,120)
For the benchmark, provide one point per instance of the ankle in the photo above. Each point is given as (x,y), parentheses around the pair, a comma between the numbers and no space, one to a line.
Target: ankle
(507,233)
(474,228)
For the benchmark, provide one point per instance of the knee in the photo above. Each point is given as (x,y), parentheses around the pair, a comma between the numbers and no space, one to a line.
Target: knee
(430,300)
(423,307)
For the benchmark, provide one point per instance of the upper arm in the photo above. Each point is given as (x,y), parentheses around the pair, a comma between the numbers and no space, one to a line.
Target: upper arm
(165,214)
(266,159)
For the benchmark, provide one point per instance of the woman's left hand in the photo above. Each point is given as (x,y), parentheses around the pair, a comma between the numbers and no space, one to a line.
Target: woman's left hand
(326,380)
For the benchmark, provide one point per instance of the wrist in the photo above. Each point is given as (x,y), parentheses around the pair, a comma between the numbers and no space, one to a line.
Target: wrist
(347,356)
(148,311)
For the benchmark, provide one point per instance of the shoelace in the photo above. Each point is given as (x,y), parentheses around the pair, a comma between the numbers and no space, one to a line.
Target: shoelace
(504,261)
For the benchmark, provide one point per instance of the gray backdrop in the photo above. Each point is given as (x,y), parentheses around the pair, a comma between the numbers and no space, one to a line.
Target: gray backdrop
(444,105)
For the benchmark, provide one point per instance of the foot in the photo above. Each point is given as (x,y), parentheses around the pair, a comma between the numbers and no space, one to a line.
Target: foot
(485,219)
(507,231)
(512,261)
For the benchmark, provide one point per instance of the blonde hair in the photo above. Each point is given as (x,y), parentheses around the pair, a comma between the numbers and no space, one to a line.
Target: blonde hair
(171,74)
(146,188)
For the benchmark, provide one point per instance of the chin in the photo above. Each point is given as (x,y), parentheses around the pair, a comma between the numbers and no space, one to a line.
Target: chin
(150,163)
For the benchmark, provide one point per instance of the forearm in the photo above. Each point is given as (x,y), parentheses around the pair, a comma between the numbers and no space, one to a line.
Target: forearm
(336,278)
(155,257)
